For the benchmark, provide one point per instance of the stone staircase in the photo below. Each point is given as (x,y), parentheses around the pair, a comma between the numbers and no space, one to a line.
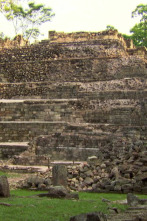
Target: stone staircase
(9,149)
(131,214)
(72,99)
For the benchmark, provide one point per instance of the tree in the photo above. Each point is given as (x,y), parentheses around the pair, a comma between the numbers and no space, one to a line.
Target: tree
(26,21)
(139,35)
(3,3)
(13,13)
(140,10)
(139,30)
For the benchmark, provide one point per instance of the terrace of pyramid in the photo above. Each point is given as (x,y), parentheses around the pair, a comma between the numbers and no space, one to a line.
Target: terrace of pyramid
(73,96)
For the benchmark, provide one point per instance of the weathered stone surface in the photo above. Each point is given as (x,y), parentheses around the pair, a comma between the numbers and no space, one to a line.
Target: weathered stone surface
(79,98)
(4,187)
(89,217)
(88,180)
(89,173)
(92,160)
(59,175)
(59,192)
(18,41)
(36,182)
(133,200)
(142,176)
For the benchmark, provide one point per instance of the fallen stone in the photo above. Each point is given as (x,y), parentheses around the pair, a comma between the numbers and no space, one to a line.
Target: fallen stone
(142,176)
(36,180)
(89,173)
(93,160)
(72,196)
(59,192)
(95,216)
(88,180)
(133,200)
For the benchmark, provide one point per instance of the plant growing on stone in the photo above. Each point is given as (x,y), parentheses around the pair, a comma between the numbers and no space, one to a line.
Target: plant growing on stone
(110,27)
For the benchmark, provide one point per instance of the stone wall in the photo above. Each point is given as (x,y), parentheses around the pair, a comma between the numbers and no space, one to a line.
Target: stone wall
(48,110)
(53,51)
(39,90)
(93,60)
(88,36)
(67,62)
(74,96)
(140,51)
(9,150)
(105,141)
(74,70)
(18,41)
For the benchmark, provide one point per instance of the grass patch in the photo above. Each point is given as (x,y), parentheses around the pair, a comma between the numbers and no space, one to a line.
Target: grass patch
(10,174)
(27,208)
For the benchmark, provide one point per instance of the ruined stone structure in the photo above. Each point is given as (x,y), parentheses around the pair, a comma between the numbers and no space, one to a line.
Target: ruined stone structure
(74,96)
(18,41)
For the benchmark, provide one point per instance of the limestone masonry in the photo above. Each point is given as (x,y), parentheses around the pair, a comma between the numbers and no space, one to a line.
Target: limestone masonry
(73,96)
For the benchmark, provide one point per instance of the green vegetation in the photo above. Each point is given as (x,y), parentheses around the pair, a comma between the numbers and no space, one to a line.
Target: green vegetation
(25,205)
(10,174)
(27,19)
(110,27)
(139,31)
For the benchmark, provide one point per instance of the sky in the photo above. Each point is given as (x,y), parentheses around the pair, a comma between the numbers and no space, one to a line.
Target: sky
(85,15)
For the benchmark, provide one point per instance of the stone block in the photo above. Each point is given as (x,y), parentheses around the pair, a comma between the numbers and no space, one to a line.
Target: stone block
(88,181)
(59,175)
(96,216)
(4,187)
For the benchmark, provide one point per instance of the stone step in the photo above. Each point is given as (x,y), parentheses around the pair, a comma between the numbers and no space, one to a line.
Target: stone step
(68,153)
(77,70)
(38,90)
(83,142)
(67,92)
(125,88)
(120,218)
(19,131)
(73,110)
(24,168)
(48,51)
(38,110)
(131,115)
(130,214)
(123,217)
(22,131)
(36,101)
(113,95)
(9,149)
